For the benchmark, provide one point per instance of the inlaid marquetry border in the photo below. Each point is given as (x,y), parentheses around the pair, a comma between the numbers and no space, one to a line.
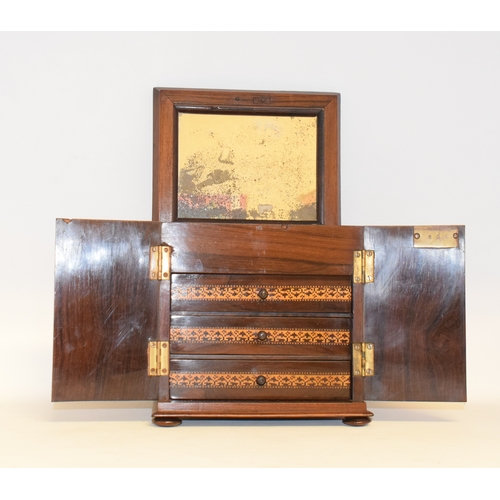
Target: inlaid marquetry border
(276,336)
(340,293)
(245,380)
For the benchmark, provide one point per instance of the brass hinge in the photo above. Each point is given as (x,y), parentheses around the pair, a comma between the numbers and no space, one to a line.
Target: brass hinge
(159,262)
(158,358)
(364,266)
(363,359)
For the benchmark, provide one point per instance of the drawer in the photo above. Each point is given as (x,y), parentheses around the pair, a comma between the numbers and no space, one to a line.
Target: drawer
(264,335)
(259,380)
(262,293)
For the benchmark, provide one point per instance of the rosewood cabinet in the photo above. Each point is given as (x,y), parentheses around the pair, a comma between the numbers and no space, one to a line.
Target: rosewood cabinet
(234,304)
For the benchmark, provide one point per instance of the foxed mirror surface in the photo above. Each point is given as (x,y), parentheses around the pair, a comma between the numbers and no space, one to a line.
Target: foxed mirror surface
(247,167)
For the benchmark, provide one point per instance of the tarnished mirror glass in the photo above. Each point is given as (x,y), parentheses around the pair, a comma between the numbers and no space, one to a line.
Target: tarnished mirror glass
(247,167)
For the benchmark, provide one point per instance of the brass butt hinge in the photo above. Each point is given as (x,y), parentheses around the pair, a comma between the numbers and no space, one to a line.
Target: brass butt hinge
(364,266)
(158,358)
(159,262)
(363,355)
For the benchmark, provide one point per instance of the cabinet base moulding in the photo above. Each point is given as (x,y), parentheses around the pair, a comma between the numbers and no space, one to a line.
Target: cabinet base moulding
(169,414)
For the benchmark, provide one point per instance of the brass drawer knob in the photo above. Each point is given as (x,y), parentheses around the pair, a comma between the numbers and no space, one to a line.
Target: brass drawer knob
(262,335)
(261,380)
(262,293)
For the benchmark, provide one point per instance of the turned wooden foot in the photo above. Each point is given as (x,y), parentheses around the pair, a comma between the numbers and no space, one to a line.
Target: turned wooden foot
(356,421)
(166,421)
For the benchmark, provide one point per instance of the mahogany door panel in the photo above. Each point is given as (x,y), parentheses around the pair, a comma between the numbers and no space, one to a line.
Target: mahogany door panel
(105,310)
(414,313)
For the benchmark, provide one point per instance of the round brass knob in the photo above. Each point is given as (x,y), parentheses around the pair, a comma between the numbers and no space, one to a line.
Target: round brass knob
(262,293)
(262,335)
(261,380)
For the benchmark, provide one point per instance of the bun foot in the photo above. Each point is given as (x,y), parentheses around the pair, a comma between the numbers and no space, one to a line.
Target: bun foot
(356,421)
(166,421)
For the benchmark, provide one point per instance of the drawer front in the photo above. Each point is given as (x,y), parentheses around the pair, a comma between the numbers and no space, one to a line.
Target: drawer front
(237,293)
(260,335)
(259,380)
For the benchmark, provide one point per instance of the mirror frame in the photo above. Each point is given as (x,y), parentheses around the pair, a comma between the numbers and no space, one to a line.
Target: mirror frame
(169,102)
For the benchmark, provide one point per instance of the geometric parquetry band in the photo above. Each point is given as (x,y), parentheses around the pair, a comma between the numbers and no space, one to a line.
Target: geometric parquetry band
(274,293)
(238,380)
(276,336)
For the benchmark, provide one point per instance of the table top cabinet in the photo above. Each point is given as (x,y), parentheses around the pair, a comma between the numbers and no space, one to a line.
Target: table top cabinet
(232,303)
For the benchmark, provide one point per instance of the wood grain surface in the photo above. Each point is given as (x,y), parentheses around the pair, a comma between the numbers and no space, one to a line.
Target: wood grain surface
(262,248)
(415,315)
(105,310)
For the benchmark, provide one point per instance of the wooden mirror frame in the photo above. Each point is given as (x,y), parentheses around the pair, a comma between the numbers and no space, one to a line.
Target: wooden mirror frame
(169,102)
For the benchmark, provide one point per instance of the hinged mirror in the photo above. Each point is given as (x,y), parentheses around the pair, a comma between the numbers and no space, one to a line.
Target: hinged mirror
(246,156)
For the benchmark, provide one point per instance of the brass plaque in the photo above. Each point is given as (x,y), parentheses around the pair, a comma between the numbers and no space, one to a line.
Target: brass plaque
(247,167)
(435,237)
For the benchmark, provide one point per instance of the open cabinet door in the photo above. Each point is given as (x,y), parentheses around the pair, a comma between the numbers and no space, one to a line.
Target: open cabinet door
(105,310)
(414,313)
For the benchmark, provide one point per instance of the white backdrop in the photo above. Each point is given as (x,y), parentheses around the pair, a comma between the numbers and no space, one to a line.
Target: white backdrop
(420,134)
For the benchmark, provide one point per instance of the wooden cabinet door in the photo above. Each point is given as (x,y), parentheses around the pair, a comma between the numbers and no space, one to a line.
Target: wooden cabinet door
(105,310)
(414,313)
